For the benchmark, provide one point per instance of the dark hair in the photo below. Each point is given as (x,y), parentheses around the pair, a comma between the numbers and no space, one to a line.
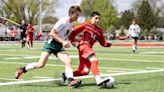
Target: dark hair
(134,19)
(74,8)
(95,13)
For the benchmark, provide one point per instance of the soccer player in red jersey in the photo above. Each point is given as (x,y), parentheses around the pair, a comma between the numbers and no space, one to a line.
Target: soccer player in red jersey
(29,35)
(87,34)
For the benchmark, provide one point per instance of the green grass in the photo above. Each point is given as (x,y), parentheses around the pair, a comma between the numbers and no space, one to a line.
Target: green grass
(111,61)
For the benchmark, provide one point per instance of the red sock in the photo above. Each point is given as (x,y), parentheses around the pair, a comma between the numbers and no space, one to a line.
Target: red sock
(94,68)
(79,73)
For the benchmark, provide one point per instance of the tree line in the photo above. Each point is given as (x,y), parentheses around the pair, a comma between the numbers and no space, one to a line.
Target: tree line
(149,13)
(16,10)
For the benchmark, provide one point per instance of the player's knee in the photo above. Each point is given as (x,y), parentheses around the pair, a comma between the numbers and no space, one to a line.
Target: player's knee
(93,59)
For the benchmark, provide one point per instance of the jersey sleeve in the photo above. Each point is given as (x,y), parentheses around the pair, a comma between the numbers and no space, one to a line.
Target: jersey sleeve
(130,30)
(102,40)
(76,30)
(138,28)
(58,26)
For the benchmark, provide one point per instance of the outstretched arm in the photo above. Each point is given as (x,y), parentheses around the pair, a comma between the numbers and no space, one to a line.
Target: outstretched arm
(103,42)
(53,34)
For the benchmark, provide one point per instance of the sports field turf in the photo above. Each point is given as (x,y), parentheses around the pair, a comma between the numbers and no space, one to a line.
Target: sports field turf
(142,71)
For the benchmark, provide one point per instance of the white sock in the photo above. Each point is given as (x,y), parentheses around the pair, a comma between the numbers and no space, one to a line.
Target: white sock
(30,66)
(136,47)
(69,72)
(97,78)
(133,47)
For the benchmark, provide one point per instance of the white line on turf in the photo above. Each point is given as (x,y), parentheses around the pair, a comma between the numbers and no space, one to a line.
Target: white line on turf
(113,68)
(149,61)
(127,60)
(76,56)
(81,77)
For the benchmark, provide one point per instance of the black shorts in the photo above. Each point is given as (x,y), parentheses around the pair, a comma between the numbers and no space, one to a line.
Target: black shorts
(23,36)
(135,38)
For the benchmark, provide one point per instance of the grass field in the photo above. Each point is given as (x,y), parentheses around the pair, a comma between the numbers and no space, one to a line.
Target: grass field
(142,71)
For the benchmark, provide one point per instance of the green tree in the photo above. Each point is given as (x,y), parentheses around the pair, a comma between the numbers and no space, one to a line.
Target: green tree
(122,32)
(156,6)
(161,22)
(50,20)
(112,31)
(126,18)
(17,10)
(145,16)
(105,7)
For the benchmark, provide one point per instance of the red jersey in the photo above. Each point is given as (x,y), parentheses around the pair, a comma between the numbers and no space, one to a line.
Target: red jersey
(89,34)
(30,28)
(29,32)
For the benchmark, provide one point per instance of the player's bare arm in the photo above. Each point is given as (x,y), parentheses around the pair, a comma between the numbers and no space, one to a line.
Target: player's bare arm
(53,34)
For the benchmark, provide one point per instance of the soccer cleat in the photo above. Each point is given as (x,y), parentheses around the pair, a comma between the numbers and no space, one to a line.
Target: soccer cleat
(64,78)
(18,73)
(74,84)
(102,81)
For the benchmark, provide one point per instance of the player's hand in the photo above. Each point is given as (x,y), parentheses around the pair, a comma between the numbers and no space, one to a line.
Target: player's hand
(66,44)
(77,38)
(74,44)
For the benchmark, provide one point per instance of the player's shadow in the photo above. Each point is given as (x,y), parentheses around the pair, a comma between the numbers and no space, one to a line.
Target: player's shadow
(87,84)
(94,85)
(124,82)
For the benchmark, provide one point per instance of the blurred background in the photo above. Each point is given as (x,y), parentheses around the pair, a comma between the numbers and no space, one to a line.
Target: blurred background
(115,21)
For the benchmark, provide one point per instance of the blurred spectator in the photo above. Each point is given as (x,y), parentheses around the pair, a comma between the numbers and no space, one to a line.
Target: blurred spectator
(13,31)
(29,35)
(3,29)
(39,35)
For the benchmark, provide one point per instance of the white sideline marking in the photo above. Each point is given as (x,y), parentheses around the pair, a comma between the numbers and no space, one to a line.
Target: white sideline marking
(112,68)
(81,77)
(131,60)
(74,56)
(149,61)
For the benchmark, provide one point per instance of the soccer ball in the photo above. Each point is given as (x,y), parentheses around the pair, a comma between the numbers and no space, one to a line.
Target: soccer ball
(111,83)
